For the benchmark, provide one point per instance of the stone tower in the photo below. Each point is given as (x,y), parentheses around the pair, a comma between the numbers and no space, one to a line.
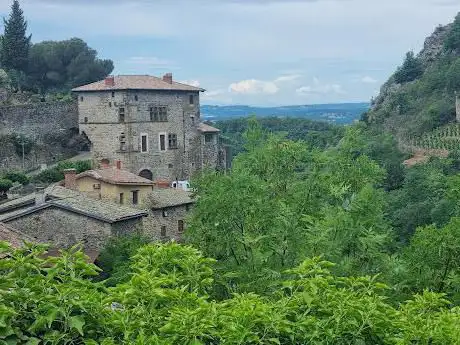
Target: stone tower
(151,124)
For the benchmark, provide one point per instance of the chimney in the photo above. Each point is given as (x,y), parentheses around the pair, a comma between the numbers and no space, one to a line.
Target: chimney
(168,78)
(110,81)
(40,196)
(70,179)
(118,164)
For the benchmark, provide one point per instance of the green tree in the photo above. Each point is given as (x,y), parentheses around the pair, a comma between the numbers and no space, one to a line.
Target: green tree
(452,41)
(15,43)
(410,70)
(61,65)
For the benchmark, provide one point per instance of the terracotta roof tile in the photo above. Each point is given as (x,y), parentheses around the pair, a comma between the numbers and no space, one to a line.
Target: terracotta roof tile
(113,175)
(203,127)
(136,82)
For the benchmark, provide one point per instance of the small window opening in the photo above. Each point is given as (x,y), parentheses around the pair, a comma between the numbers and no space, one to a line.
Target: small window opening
(135,197)
(121,115)
(113,94)
(136,98)
(172,141)
(163,231)
(180,226)
(144,143)
(86,119)
(122,198)
(162,142)
(81,99)
(208,138)
(191,100)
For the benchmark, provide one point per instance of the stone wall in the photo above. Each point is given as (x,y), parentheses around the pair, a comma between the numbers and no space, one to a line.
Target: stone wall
(64,228)
(38,119)
(156,219)
(49,127)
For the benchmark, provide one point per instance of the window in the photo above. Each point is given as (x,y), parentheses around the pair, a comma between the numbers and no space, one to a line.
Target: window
(122,142)
(113,94)
(208,138)
(81,99)
(163,231)
(165,212)
(121,114)
(86,119)
(122,199)
(172,141)
(135,197)
(136,98)
(180,226)
(158,114)
(191,100)
(170,166)
(162,142)
(110,104)
(193,119)
(144,143)
(97,186)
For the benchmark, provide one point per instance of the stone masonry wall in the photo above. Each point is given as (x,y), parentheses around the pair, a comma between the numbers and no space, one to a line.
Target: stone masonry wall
(36,120)
(155,220)
(38,123)
(99,120)
(64,228)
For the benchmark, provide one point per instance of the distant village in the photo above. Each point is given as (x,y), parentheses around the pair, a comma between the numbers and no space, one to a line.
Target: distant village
(146,141)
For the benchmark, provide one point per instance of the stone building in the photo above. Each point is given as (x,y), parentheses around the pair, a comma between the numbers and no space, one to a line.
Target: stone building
(151,124)
(168,210)
(63,217)
(111,184)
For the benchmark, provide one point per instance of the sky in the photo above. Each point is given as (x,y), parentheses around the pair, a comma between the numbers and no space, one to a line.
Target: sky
(254,52)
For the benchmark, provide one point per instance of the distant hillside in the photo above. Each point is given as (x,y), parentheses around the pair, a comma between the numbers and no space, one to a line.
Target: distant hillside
(341,113)
(420,96)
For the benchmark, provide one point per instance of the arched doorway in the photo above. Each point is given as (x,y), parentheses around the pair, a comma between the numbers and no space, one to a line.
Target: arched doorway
(146,173)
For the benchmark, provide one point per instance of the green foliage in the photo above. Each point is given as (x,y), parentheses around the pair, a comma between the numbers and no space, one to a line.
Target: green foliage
(56,173)
(410,70)
(420,96)
(282,202)
(314,133)
(452,41)
(16,176)
(114,259)
(15,44)
(5,185)
(54,301)
(58,66)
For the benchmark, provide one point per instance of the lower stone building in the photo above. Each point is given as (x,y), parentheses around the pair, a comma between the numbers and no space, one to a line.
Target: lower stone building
(168,209)
(62,217)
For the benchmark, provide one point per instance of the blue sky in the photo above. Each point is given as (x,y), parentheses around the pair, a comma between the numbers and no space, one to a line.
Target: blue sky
(257,52)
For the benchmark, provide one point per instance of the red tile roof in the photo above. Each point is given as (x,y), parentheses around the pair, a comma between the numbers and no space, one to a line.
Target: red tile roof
(113,175)
(203,127)
(136,82)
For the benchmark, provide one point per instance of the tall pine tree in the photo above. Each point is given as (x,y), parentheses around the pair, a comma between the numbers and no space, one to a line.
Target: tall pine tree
(15,44)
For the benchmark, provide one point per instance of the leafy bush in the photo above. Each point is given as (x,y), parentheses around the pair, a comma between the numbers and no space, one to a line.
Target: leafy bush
(56,173)
(16,176)
(5,186)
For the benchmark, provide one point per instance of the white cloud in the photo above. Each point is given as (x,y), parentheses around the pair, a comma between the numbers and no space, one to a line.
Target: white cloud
(320,89)
(254,86)
(195,83)
(368,80)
